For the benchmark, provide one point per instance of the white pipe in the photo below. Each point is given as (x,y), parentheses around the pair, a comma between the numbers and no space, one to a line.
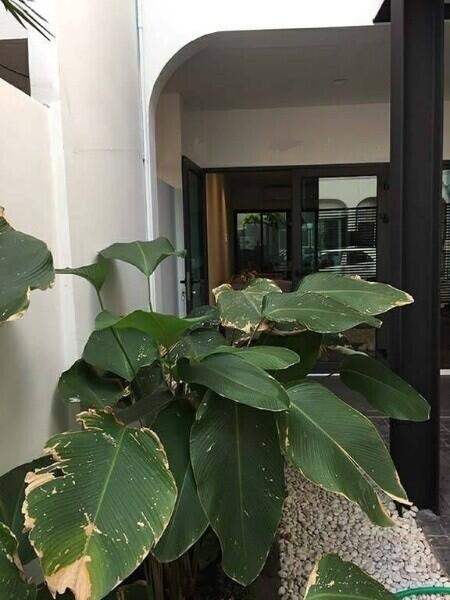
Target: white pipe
(145,137)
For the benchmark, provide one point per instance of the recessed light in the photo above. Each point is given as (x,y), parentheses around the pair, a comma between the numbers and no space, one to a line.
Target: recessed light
(340,81)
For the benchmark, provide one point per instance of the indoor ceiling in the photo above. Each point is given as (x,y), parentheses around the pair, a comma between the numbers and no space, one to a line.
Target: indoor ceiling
(305,67)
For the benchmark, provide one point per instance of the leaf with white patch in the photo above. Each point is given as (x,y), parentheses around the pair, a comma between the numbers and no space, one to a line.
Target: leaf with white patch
(314,312)
(242,309)
(13,584)
(12,495)
(26,264)
(82,384)
(95,513)
(122,352)
(335,579)
(366,297)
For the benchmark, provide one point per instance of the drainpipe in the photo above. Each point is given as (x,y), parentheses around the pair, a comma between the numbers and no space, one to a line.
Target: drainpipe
(145,135)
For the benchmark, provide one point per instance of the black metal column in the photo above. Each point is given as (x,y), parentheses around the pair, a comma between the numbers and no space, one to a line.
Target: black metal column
(417,43)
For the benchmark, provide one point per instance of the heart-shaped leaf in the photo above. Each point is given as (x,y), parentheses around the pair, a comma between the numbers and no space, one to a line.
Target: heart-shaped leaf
(96,273)
(26,264)
(366,297)
(242,309)
(13,584)
(336,579)
(236,379)
(146,256)
(165,329)
(386,391)
(338,448)
(82,384)
(121,352)
(314,312)
(238,468)
(82,496)
(188,522)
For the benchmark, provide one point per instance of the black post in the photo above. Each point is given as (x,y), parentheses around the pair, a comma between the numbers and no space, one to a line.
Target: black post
(417,72)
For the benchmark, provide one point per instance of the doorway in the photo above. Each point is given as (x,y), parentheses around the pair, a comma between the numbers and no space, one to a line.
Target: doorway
(283,223)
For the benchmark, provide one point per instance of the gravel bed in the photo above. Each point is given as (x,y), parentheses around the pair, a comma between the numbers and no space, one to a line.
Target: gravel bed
(316,522)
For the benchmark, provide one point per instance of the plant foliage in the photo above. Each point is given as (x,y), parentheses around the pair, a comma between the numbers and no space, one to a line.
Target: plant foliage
(187,424)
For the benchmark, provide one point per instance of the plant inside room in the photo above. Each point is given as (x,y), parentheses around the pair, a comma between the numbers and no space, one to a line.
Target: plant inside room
(185,427)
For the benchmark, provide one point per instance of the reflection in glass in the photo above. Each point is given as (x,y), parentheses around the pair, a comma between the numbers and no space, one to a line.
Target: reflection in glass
(262,240)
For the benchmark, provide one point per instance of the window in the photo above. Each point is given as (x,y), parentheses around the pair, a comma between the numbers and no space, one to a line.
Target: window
(262,243)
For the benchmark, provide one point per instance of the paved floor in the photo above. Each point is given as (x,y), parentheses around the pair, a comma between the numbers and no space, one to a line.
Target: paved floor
(437,528)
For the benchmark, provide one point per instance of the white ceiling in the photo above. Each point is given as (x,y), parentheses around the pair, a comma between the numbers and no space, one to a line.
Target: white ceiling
(288,68)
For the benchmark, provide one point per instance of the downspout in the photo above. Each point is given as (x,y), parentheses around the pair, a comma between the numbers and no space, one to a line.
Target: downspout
(145,136)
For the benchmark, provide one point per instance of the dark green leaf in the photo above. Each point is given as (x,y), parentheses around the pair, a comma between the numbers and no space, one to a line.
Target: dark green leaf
(366,297)
(210,315)
(81,383)
(151,394)
(95,273)
(13,584)
(306,344)
(26,264)
(188,522)
(238,468)
(242,309)
(335,579)
(336,447)
(234,378)
(12,495)
(386,391)
(165,329)
(108,498)
(314,312)
(146,256)
(196,344)
(121,352)
(269,358)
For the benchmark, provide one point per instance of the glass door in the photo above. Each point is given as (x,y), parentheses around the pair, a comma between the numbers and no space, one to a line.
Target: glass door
(335,222)
(195,233)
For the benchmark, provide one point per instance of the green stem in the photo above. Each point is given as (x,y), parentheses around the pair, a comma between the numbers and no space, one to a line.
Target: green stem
(252,337)
(423,591)
(100,301)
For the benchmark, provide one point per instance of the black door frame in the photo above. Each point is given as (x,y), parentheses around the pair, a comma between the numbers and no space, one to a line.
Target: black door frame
(187,166)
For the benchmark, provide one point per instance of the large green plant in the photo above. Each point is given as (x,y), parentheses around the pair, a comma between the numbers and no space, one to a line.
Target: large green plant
(186,424)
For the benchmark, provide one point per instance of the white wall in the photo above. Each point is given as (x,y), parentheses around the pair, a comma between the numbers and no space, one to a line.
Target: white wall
(31,348)
(287,136)
(102,130)
(169,292)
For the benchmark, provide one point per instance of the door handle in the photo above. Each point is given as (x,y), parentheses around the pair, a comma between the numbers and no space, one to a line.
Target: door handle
(187,283)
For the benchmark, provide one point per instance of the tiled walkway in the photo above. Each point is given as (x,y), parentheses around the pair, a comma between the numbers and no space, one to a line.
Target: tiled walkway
(437,528)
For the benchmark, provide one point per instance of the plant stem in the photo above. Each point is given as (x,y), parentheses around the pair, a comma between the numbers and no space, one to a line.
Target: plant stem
(149,295)
(100,301)
(252,337)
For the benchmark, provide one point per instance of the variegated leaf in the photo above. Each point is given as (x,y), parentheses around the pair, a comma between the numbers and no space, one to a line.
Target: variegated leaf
(94,515)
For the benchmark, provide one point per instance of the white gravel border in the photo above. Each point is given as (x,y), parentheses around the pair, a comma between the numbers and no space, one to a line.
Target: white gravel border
(315,522)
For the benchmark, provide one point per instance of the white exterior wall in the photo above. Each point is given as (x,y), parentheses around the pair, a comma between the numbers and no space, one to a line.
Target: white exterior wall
(30,348)
(101,129)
